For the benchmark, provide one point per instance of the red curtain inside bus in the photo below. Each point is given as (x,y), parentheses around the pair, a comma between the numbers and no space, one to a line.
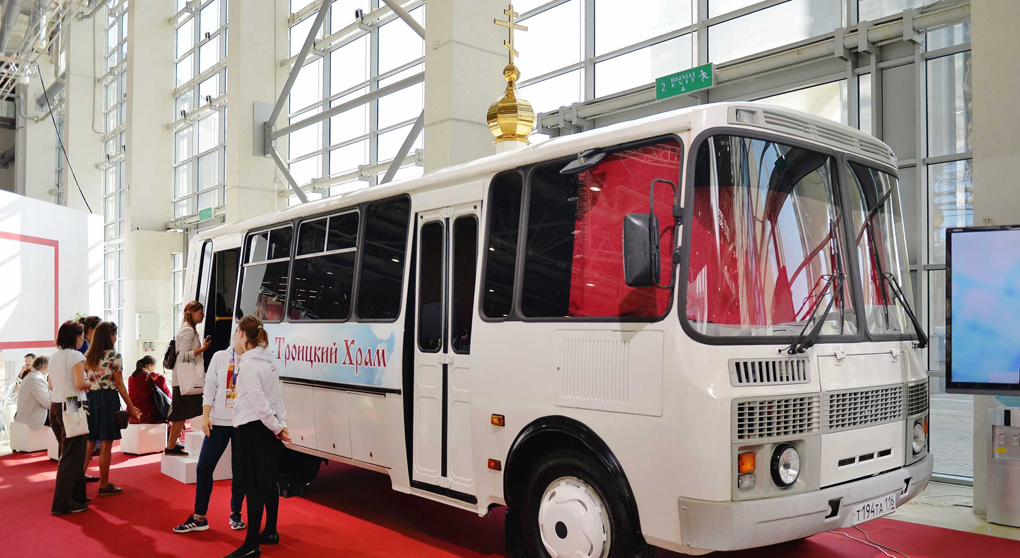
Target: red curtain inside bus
(605,195)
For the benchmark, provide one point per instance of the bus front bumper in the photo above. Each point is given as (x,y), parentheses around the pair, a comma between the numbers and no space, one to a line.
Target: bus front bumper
(738,525)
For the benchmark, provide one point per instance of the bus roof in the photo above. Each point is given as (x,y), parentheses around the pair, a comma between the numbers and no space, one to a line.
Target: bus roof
(767,117)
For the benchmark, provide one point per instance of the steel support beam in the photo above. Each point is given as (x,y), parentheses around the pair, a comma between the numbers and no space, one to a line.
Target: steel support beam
(404,148)
(300,62)
(344,107)
(402,14)
(286,174)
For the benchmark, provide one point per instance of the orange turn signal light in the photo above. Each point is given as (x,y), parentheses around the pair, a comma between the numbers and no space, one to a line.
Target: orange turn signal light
(925,427)
(495,465)
(498,420)
(745,463)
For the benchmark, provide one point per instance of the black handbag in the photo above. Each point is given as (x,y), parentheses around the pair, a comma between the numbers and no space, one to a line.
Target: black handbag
(161,400)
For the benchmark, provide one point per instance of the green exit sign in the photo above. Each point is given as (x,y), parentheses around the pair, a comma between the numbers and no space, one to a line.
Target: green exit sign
(687,81)
(205,214)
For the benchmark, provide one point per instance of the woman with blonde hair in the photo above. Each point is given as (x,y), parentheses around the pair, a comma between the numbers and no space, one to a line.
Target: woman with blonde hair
(260,420)
(189,349)
(106,375)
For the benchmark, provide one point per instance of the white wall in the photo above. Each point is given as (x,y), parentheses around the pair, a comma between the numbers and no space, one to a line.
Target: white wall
(28,318)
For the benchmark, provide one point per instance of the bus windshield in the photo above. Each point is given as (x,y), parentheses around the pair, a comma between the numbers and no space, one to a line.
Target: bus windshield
(881,248)
(766,245)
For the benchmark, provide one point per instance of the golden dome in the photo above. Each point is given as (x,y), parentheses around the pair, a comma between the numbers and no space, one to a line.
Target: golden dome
(511,118)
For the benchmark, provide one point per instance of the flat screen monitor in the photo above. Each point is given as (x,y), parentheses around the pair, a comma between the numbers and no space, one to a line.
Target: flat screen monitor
(983,310)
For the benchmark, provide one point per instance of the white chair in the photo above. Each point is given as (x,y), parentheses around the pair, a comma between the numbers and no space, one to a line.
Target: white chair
(28,440)
(142,439)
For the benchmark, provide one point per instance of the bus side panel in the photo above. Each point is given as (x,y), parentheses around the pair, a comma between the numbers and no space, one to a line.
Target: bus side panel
(516,365)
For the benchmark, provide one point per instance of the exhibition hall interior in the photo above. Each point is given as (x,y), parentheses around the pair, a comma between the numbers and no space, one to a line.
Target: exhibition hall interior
(529,278)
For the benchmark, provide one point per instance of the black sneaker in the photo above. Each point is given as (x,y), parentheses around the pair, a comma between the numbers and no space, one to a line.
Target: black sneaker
(76,508)
(192,524)
(269,538)
(91,479)
(110,490)
(176,450)
(235,521)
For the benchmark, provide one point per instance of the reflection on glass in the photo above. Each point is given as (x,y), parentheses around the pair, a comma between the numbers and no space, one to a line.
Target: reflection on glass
(770,28)
(765,241)
(951,203)
(864,102)
(870,10)
(950,104)
(553,40)
(553,93)
(721,7)
(390,142)
(826,101)
(657,17)
(185,37)
(937,320)
(643,66)
(948,36)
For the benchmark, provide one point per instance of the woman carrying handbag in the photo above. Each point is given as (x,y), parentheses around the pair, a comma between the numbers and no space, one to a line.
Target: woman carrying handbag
(189,355)
(67,415)
(149,392)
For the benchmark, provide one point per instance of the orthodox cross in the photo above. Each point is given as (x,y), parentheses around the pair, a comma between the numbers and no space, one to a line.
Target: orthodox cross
(510,24)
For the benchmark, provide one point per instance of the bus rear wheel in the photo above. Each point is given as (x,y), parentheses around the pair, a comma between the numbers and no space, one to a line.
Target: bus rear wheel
(572,508)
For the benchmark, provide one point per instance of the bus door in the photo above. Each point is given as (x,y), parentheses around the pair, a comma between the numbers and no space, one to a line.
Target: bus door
(216,290)
(448,256)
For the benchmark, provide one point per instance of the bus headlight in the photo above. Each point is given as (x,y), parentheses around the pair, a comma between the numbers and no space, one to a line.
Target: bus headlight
(920,438)
(785,465)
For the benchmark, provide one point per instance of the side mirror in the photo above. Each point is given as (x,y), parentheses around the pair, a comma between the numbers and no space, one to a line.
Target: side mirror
(641,265)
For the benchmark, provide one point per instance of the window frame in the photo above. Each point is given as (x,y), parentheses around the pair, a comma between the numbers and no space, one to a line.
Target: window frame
(528,171)
(444,270)
(851,271)
(357,262)
(511,316)
(453,271)
(295,223)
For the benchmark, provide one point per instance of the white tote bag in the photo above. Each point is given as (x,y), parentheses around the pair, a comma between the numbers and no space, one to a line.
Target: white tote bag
(76,419)
(190,377)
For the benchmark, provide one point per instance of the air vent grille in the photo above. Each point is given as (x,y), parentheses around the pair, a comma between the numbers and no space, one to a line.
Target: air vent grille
(769,371)
(917,399)
(827,134)
(762,419)
(855,409)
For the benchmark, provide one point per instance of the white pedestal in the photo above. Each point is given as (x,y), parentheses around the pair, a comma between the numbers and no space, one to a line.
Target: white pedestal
(142,439)
(53,449)
(29,440)
(184,468)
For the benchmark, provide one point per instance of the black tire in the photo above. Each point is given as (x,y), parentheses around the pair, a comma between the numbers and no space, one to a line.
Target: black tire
(624,540)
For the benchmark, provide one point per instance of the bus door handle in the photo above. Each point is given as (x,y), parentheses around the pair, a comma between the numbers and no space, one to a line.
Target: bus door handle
(446,358)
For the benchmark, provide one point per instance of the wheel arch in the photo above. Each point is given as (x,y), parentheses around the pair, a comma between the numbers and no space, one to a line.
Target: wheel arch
(547,434)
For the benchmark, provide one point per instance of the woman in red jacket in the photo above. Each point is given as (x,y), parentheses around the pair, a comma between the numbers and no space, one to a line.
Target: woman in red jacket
(140,391)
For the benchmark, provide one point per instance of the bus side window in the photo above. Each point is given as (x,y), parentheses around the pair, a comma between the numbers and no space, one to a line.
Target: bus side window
(266,274)
(430,302)
(504,223)
(324,269)
(381,277)
(465,258)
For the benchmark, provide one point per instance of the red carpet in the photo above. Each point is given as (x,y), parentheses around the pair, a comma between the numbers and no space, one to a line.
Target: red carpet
(349,512)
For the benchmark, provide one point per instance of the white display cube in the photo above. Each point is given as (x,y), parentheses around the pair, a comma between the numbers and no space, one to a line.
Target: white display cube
(184,468)
(142,439)
(27,439)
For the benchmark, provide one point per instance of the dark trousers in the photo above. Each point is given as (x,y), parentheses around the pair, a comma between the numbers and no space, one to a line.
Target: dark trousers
(212,450)
(69,491)
(57,426)
(257,465)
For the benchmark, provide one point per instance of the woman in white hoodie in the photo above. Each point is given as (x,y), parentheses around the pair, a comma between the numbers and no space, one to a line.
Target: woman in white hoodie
(218,398)
(261,422)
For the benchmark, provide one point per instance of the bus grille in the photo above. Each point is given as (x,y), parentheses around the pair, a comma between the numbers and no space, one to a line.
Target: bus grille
(917,399)
(856,409)
(759,419)
(769,372)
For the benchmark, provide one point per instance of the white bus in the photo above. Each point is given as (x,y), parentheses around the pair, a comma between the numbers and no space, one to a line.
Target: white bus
(690,331)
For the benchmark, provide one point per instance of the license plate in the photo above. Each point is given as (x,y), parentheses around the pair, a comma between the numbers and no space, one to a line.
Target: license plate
(878,507)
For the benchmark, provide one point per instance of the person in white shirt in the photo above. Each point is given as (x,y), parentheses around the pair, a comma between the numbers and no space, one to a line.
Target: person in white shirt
(69,384)
(218,398)
(34,396)
(261,422)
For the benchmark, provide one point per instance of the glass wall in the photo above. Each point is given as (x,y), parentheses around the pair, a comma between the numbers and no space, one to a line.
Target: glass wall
(353,60)
(113,84)
(200,106)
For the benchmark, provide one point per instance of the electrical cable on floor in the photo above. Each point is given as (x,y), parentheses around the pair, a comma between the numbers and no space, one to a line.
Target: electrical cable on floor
(60,140)
(967,502)
(870,542)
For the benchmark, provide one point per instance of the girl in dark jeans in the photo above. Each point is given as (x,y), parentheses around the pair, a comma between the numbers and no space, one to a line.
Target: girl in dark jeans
(218,397)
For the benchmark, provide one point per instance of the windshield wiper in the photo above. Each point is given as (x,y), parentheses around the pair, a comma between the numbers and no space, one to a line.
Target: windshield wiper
(894,284)
(805,340)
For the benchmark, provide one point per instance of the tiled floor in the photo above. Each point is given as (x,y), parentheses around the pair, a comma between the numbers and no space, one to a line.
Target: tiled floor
(934,508)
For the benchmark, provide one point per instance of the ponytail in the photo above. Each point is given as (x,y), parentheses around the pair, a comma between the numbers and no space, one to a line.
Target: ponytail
(253,331)
(143,362)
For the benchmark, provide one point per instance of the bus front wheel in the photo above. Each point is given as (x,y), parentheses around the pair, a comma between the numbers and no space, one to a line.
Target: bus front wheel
(572,507)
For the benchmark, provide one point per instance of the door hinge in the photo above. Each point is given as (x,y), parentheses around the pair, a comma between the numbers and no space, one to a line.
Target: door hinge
(840,357)
(894,354)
